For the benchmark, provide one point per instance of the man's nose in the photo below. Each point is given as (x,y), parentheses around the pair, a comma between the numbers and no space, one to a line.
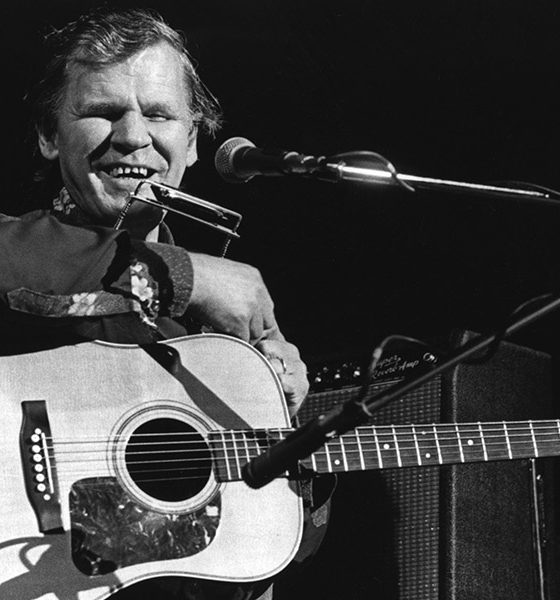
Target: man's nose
(130,131)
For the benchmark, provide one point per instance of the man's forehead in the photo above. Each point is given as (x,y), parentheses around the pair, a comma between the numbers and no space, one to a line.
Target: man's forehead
(156,68)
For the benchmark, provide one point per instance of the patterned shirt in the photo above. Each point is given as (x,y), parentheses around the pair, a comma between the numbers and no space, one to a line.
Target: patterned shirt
(56,265)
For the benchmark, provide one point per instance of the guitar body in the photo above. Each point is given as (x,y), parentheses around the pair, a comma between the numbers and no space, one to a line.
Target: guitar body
(117,527)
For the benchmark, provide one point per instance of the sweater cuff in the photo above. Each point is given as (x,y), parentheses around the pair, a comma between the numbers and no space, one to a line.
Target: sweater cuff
(176,281)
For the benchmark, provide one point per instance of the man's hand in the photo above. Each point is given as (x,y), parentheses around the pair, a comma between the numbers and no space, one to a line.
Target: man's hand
(292,372)
(231,297)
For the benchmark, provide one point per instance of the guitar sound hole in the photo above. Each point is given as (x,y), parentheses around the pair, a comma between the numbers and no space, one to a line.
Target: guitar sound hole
(168,460)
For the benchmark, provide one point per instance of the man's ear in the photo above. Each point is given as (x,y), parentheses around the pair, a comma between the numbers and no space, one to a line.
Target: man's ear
(192,154)
(48,146)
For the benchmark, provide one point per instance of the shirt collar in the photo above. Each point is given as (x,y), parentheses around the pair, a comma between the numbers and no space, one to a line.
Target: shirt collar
(67,211)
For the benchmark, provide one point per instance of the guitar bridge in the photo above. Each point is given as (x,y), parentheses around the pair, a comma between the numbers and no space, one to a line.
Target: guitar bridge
(38,466)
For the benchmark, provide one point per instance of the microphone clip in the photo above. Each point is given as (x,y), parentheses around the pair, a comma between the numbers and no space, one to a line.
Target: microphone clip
(284,456)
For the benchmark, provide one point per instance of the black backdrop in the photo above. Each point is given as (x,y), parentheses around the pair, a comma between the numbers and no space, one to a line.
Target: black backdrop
(450,89)
(455,90)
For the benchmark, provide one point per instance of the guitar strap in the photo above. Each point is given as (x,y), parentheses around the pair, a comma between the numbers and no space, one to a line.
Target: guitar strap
(204,398)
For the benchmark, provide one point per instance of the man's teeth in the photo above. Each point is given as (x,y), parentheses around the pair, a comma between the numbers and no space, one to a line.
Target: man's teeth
(129,172)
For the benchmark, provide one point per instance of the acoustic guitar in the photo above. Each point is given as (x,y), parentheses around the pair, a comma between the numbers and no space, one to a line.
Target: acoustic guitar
(121,463)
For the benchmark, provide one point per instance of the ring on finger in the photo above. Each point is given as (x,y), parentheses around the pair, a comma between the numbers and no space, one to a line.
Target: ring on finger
(282,363)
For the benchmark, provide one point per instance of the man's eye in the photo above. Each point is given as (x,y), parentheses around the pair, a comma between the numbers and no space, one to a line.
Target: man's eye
(157,117)
(99,114)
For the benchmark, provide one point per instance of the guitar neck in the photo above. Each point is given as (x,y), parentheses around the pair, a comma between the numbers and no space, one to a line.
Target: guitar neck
(393,446)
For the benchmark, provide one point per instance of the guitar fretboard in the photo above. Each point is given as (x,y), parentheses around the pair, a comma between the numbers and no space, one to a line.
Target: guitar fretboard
(395,446)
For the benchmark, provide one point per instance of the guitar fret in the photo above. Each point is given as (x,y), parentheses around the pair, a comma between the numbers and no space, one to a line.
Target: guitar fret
(482,441)
(470,443)
(314,463)
(399,459)
(236,457)
(440,460)
(387,448)
(246,446)
(336,455)
(461,452)
(236,454)
(510,454)
(360,449)
(343,450)
(320,460)
(328,456)
(534,439)
(226,454)
(417,446)
(379,457)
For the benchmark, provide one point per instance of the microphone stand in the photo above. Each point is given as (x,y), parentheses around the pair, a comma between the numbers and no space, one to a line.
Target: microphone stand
(302,442)
(370,167)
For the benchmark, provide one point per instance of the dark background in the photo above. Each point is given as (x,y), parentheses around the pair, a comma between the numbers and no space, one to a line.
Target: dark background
(464,91)
(449,89)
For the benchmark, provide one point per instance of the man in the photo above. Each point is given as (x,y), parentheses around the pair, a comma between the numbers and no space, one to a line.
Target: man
(120,101)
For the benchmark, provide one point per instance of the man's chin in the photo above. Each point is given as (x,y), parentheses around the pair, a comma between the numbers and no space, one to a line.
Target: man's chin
(111,207)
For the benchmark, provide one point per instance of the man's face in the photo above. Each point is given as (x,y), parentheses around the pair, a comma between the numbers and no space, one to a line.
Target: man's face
(120,123)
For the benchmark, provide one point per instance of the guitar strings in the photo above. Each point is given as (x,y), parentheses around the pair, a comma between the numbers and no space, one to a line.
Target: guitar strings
(488,428)
(383,434)
(367,447)
(369,455)
(445,438)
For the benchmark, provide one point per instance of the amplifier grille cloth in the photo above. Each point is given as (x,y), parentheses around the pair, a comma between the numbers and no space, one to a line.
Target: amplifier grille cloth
(414,491)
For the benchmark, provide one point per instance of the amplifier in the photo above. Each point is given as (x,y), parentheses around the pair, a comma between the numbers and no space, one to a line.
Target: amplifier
(481,531)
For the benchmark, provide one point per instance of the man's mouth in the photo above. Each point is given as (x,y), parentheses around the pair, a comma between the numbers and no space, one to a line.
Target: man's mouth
(122,172)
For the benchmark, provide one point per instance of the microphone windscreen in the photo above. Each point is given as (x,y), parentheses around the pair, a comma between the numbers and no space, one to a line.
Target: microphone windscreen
(223,159)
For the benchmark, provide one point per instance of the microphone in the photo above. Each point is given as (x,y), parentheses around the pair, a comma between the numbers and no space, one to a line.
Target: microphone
(284,456)
(237,160)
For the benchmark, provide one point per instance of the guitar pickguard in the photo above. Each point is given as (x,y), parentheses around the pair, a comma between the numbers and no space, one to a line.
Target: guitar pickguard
(110,530)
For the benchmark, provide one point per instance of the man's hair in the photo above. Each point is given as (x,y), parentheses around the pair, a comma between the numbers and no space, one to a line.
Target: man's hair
(107,37)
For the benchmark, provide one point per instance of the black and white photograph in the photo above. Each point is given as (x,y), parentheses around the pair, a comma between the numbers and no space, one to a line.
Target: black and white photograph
(280,300)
